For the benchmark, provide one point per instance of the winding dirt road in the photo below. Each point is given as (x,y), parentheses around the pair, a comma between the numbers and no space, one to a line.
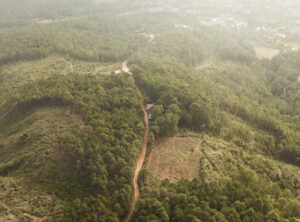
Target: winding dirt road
(140,162)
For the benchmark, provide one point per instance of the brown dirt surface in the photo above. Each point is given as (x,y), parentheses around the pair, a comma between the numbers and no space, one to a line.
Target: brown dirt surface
(265,52)
(176,158)
(34,218)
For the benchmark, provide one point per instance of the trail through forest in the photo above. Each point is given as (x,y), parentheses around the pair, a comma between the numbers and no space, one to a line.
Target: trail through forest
(34,218)
(125,68)
(140,161)
(7,112)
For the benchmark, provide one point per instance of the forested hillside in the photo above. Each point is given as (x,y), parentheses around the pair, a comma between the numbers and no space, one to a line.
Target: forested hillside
(72,161)
(72,117)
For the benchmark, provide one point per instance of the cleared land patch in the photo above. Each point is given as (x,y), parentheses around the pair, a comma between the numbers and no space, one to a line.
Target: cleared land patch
(265,52)
(176,158)
(188,157)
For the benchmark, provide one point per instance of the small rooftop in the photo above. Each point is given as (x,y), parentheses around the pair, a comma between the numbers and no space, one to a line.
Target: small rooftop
(149,106)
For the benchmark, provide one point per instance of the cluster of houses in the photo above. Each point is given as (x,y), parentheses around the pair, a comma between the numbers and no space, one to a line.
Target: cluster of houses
(149,36)
(228,21)
(271,32)
(184,26)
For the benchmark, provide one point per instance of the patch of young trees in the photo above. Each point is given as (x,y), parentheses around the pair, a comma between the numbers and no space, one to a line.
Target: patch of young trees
(105,151)
(243,197)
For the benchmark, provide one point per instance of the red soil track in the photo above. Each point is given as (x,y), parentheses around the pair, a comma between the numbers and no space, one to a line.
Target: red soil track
(139,164)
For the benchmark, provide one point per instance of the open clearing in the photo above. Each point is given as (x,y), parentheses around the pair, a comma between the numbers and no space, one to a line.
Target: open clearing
(203,65)
(187,157)
(176,158)
(265,52)
(293,45)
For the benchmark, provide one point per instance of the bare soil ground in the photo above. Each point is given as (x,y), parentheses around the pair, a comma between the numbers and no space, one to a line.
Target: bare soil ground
(176,158)
(265,53)
(34,218)
(45,21)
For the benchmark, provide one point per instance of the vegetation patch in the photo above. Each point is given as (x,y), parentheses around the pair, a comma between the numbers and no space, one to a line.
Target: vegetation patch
(17,200)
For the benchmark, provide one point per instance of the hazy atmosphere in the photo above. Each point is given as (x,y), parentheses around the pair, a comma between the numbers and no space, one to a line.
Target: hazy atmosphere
(150,111)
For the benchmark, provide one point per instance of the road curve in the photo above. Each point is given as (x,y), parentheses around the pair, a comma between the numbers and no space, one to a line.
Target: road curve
(140,162)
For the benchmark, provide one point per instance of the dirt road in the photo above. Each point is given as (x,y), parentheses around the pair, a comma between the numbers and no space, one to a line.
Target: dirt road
(34,218)
(140,162)
(125,68)
(7,112)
